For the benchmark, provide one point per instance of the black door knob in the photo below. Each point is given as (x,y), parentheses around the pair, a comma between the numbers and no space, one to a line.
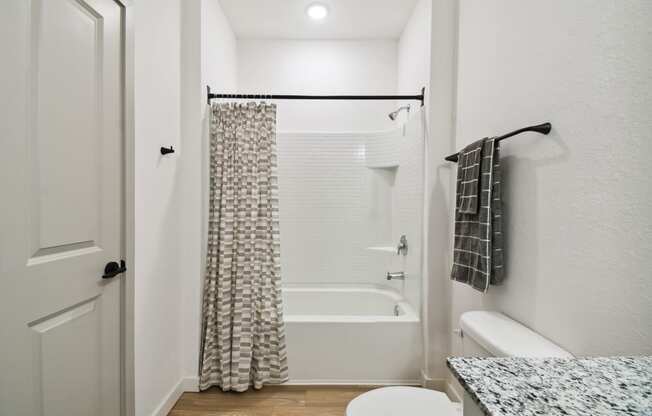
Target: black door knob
(112,269)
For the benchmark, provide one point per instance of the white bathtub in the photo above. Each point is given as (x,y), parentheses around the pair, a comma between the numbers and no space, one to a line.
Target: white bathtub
(351,335)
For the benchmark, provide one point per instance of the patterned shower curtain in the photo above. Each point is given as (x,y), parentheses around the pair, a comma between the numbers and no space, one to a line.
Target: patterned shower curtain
(243,336)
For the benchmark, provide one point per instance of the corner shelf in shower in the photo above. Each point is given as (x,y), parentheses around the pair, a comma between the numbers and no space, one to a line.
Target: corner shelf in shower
(392,165)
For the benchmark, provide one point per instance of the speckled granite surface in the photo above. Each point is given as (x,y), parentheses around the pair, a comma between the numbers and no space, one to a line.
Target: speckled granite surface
(555,386)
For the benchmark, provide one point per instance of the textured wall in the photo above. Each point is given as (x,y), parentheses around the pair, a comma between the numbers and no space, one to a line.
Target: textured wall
(577,202)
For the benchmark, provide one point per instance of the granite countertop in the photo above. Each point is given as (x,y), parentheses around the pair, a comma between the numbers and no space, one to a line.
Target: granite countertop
(557,386)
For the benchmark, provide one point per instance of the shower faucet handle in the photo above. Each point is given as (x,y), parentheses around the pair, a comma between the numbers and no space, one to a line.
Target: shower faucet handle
(395,275)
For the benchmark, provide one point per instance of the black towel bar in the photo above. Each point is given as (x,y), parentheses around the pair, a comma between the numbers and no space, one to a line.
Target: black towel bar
(539,128)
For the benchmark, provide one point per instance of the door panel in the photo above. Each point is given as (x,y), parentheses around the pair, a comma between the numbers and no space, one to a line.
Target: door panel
(66,138)
(67,141)
(69,373)
(62,200)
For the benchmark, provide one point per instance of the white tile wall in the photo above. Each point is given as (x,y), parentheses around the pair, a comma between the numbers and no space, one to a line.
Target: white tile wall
(326,210)
(383,150)
(333,206)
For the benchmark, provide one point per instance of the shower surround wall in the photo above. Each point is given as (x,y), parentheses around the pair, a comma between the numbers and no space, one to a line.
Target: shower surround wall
(345,200)
(327,213)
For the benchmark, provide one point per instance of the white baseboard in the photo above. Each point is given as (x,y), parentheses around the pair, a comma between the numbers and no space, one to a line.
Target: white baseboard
(323,382)
(169,400)
(443,385)
(432,383)
(190,384)
(452,393)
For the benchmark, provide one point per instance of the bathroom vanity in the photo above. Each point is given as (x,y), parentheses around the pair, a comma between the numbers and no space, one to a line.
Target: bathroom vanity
(514,386)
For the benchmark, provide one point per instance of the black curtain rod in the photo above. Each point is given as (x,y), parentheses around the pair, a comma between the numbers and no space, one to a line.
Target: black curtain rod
(539,128)
(420,97)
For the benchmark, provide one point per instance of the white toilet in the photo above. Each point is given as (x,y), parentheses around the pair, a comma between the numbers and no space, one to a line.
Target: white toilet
(484,333)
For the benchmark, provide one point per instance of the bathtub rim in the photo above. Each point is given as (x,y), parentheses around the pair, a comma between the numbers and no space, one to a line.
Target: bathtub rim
(409,313)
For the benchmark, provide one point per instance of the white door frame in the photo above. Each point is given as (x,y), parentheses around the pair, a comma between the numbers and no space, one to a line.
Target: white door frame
(127,320)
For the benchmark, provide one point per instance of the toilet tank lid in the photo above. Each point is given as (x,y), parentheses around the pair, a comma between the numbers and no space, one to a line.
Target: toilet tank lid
(504,337)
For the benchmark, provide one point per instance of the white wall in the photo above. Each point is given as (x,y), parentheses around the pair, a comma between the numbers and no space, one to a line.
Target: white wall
(322,67)
(219,49)
(209,51)
(443,74)
(157,123)
(414,55)
(179,48)
(577,202)
(193,101)
(413,74)
(418,43)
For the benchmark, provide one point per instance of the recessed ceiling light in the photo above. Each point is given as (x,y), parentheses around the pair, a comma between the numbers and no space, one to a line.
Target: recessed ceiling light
(317,11)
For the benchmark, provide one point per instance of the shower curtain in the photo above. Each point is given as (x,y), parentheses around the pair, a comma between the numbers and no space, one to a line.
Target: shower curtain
(243,336)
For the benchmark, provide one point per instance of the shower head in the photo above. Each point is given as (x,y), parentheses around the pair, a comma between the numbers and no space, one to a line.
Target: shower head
(394,114)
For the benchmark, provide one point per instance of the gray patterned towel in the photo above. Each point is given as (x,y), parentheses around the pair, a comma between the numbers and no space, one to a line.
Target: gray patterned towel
(478,248)
(468,178)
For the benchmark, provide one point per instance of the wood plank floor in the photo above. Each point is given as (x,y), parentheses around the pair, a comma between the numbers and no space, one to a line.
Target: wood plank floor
(270,401)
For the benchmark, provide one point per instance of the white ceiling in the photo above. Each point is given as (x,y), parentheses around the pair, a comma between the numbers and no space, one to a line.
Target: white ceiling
(348,19)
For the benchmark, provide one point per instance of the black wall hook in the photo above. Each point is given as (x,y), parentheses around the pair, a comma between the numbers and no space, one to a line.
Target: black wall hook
(166,150)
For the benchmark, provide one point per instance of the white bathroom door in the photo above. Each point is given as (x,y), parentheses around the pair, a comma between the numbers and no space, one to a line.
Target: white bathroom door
(61,206)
